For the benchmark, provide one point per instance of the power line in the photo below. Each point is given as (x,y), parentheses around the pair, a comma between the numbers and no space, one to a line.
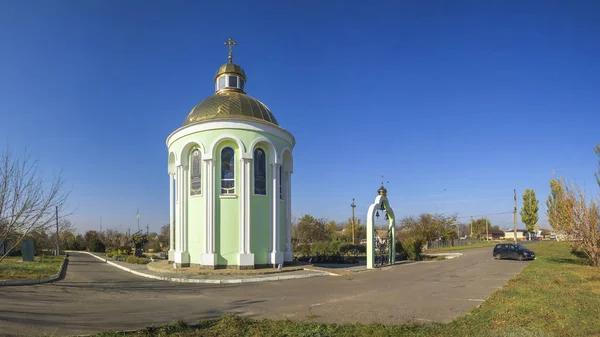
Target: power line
(482,215)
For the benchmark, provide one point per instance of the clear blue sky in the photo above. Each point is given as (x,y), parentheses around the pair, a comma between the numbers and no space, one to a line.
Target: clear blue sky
(456,103)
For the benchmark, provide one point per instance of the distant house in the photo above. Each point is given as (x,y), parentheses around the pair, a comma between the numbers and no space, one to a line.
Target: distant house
(521,234)
(4,247)
(494,234)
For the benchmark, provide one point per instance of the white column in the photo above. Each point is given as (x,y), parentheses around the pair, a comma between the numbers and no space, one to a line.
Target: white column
(171,211)
(242,206)
(209,258)
(182,257)
(276,255)
(179,204)
(184,212)
(245,258)
(171,217)
(288,256)
(248,196)
(206,192)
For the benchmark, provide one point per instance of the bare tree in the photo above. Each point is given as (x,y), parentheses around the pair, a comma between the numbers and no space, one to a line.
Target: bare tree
(27,202)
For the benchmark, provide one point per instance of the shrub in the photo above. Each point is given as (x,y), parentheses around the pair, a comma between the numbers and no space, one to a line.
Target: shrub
(121,258)
(303,249)
(109,254)
(400,251)
(413,247)
(137,260)
(95,245)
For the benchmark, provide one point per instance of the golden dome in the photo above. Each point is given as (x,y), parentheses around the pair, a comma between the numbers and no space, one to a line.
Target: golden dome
(382,191)
(231,68)
(230,103)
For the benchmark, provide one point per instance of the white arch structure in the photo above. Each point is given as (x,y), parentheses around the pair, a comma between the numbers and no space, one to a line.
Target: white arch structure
(380,200)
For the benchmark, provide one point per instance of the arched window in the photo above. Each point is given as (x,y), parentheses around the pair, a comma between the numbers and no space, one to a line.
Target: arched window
(195,173)
(280,183)
(260,172)
(227,171)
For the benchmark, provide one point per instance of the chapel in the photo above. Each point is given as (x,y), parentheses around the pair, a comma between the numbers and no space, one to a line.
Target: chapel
(230,180)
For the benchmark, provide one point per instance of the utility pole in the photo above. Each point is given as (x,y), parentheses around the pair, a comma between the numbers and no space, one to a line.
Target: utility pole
(57,234)
(471,228)
(353,206)
(487,236)
(147,229)
(515,214)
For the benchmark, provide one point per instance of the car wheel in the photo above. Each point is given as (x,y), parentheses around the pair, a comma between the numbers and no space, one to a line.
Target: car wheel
(520,258)
(498,257)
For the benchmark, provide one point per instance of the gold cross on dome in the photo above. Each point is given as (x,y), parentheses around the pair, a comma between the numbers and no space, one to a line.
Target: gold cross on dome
(230,43)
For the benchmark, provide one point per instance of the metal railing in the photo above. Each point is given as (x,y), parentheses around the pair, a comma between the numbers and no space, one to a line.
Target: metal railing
(453,243)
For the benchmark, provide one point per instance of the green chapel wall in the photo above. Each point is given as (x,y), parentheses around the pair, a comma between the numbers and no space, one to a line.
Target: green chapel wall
(260,218)
(195,212)
(227,212)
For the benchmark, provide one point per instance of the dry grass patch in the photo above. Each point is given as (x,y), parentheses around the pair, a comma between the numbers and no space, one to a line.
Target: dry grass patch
(13,267)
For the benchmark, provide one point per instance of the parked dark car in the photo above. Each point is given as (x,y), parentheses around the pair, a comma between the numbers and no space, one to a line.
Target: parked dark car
(512,251)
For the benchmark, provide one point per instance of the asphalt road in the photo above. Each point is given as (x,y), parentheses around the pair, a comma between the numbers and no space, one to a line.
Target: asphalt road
(95,297)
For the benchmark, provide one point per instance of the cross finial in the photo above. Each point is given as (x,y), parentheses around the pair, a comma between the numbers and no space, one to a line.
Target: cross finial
(230,43)
(382,180)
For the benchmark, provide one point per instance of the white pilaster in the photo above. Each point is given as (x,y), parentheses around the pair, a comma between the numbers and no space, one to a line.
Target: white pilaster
(248,209)
(171,217)
(245,258)
(276,257)
(182,257)
(209,258)
(288,255)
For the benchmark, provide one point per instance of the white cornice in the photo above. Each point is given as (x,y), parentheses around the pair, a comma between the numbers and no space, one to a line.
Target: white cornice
(231,124)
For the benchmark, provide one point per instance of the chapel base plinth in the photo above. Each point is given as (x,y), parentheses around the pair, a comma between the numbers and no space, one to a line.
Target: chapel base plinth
(288,256)
(276,258)
(208,261)
(182,259)
(171,258)
(246,261)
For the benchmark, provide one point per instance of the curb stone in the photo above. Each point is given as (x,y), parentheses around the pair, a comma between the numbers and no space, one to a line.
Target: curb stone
(44,279)
(191,280)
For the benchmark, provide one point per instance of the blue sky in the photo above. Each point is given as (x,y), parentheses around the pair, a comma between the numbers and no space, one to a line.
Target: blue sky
(456,103)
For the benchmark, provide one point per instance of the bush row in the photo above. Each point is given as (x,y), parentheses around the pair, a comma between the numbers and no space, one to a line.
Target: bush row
(123,251)
(329,252)
(137,260)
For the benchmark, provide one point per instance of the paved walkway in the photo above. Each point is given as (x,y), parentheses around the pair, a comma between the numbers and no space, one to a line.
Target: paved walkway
(96,297)
(142,270)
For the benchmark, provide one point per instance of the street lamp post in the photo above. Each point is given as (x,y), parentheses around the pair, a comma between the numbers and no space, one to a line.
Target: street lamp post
(353,206)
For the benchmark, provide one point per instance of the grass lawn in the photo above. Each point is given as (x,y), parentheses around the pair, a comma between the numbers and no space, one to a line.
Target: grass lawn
(12,267)
(556,295)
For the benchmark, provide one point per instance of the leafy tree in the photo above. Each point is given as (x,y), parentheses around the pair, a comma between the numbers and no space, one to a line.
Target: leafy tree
(578,220)
(310,230)
(331,229)
(431,227)
(360,231)
(479,226)
(558,207)
(529,211)
(94,241)
(165,237)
